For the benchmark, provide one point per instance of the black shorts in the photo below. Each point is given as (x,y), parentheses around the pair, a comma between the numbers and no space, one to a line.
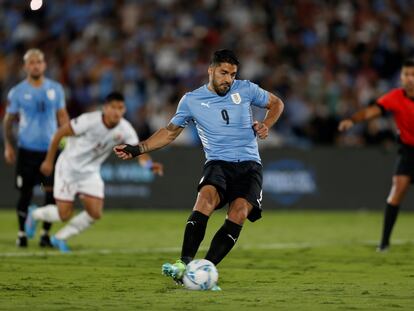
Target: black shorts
(27,169)
(235,180)
(405,161)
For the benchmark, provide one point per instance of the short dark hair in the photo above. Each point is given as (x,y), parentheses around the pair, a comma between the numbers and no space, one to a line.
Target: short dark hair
(224,56)
(409,62)
(114,96)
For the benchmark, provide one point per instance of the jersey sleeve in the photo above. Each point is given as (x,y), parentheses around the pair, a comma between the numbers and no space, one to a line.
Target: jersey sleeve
(182,115)
(259,97)
(81,124)
(13,106)
(131,136)
(387,101)
(60,98)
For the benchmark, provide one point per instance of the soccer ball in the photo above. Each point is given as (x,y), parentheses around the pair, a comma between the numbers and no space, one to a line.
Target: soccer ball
(200,274)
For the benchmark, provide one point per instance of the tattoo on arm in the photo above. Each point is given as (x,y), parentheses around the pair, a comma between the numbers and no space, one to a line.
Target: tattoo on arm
(172,127)
(8,128)
(143,148)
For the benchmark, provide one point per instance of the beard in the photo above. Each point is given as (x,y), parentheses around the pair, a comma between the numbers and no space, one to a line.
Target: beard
(36,76)
(221,89)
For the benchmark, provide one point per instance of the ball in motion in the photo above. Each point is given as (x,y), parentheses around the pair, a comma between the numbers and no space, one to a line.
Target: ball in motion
(200,274)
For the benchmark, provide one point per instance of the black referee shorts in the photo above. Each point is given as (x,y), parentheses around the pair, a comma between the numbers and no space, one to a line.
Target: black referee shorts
(405,161)
(28,169)
(235,180)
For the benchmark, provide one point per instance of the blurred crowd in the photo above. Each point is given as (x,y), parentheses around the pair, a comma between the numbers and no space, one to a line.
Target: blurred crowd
(324,58)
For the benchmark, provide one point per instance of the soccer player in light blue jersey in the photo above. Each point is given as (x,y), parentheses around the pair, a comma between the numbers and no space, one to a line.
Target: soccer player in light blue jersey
(221,111)
(37,104)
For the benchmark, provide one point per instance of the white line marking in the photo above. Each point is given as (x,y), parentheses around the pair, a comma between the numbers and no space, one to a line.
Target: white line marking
(271,246)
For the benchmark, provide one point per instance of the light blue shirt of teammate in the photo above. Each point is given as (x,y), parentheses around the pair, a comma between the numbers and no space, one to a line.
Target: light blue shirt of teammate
(37,108)
(224,123)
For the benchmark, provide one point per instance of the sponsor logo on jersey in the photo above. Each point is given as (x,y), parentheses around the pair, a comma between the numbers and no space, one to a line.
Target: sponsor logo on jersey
(235,97)
(27,96)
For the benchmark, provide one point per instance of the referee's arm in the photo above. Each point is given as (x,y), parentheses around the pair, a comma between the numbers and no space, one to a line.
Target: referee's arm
(367,113)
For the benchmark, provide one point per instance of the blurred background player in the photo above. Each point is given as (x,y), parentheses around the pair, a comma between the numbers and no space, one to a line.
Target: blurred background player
(91,137)
(232,174)
(38,105)
(400,103)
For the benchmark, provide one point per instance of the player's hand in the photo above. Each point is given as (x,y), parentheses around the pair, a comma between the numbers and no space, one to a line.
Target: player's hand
(9,154)
(157,168)
(121,153)
(345,125)
(261,129)
(46,168)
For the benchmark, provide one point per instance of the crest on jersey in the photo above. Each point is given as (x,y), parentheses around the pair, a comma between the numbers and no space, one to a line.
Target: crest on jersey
(235,97)
(118,138)
(51,94)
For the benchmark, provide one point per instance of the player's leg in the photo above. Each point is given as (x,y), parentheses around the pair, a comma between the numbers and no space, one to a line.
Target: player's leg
(48,200)
(25,181)
(47,182)
(64,190)
(25,196)
(93,211)
(207,200)
(210,194)
(227,235)
(245,195)
(50,213)
(91,188)
(400,185)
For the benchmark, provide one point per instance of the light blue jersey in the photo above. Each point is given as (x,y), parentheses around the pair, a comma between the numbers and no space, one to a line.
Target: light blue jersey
(37,109)
(224,123)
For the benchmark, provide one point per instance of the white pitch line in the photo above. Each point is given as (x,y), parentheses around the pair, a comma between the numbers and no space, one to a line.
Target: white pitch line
(152,250)
(271,246)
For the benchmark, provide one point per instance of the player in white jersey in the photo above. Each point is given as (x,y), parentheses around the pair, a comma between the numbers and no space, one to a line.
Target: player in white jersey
(91,137)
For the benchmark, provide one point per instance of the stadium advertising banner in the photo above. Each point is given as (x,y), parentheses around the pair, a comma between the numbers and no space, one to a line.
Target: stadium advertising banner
(319,178)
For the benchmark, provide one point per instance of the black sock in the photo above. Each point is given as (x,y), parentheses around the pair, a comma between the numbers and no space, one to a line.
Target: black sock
(49,199)
(390,216)
(22,205)
(223,241)
(193,235)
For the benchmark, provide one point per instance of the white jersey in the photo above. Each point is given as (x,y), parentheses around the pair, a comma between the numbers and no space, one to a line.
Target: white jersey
(93,142)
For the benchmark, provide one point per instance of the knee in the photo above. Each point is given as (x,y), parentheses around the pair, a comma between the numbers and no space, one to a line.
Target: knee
(394,199)
(65,214)
(96,214)
(238,212)
(397,192)
(206,202)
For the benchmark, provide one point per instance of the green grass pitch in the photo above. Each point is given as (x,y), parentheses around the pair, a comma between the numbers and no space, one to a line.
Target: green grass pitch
(286,261)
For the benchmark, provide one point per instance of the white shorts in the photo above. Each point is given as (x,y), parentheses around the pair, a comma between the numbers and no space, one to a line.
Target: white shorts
(68,183)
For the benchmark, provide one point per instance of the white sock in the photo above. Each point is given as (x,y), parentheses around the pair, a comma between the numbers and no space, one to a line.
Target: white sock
(76,225)
(49,213)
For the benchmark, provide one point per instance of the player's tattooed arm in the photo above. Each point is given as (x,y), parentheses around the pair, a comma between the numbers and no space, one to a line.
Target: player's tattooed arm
(159,139)
(9,151)
(9,119)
